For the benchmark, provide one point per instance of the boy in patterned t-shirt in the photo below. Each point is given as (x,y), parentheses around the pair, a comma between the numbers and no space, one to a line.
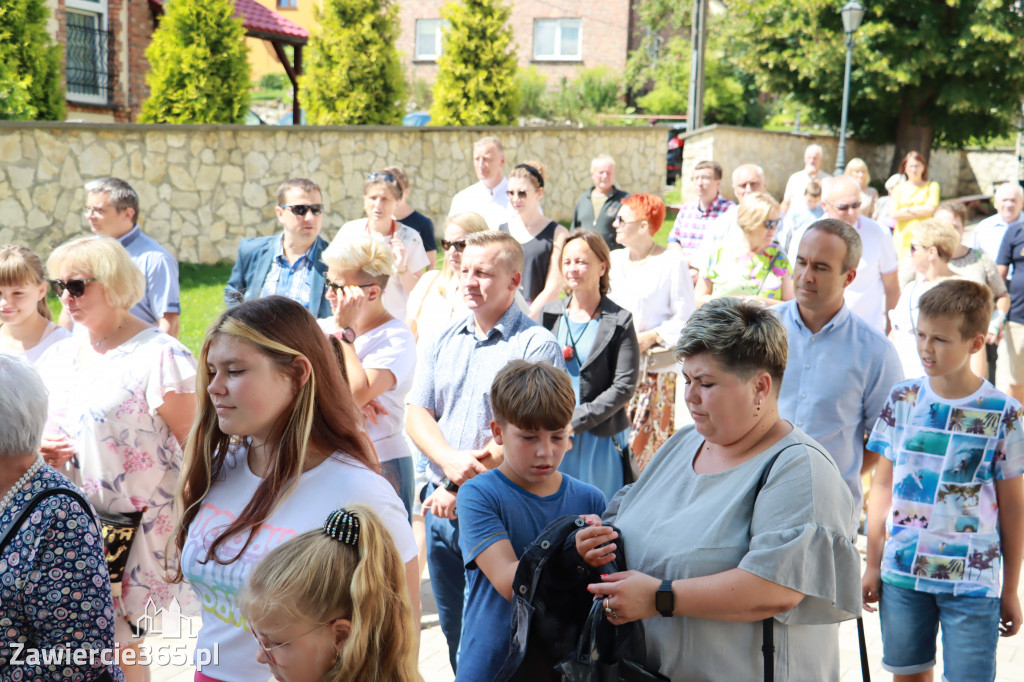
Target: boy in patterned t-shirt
(952,451)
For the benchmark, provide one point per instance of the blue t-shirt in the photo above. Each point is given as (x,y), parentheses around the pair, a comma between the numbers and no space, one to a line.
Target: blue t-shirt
(424,226)
(493,508)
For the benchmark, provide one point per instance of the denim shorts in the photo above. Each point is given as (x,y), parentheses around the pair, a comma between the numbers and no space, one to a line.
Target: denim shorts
(970,631)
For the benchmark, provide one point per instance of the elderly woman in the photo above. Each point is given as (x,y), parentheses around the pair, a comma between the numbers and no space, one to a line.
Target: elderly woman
(122,403)
(55,592)
(603,360)
(932,247)
(912,201)
(858,170)
(379,351)
(653,283)
(711,549)
(755,268)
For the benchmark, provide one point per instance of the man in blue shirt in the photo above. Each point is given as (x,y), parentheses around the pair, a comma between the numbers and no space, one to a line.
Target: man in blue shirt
(112,209)
(840,368)
(988,234)
(449,413)
(286,264)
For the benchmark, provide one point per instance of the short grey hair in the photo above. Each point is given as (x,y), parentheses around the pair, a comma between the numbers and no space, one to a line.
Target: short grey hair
(736,171)
(489,140)
(815,148)
(850,237)
(744,336)
(601,158)
(832,185)
(22,408)
(119,192)
(1014,189)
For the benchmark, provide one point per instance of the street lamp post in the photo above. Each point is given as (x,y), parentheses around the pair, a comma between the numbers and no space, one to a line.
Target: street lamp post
(852,13)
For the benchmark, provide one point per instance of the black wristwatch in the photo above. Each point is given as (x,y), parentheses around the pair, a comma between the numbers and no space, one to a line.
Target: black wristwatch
(665,599)
(448,485)
(348,335)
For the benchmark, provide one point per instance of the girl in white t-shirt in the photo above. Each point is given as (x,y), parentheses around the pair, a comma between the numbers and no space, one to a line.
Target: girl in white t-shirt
(330,606)
(379,351)
(26,326)
(276,447)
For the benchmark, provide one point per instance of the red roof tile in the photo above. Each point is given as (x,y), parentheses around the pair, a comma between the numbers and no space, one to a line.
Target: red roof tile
(257,18)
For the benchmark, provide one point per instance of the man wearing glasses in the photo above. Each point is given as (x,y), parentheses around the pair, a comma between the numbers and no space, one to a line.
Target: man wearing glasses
(876,289)
(112,209)
(286,264)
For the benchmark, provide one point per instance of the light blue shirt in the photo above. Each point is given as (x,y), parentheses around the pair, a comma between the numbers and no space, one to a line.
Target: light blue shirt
(161,270)
(455,372)
(988,234)
(836,384)
(294,280)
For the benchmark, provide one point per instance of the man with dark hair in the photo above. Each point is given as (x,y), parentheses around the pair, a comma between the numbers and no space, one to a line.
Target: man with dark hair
(286,264)
(112,209)
(598,206)
(841,368)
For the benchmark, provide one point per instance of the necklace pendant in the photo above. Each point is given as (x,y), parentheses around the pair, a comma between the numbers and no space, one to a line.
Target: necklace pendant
(568,353)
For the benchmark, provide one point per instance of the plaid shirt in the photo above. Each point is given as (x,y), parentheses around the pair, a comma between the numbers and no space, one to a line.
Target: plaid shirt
(294,280)
(691,223)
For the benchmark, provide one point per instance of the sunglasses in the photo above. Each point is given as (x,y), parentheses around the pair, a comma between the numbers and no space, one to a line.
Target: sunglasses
(386,177)
(846,207)
(772,224)
(459,244)
(268,649)
(75,287)
(512,194)
(619,220)
(917,247)
(328,284)
(300,209)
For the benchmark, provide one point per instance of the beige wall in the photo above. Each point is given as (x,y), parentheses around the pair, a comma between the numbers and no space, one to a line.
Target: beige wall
(203,188)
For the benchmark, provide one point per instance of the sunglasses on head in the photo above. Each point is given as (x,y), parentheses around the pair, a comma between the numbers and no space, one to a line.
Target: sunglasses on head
(459,244)
(300,209)
(75,287)
(513,193)
(386,177)
(328,284)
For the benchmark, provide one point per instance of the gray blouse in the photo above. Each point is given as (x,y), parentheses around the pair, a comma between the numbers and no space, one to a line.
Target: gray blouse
(676,523)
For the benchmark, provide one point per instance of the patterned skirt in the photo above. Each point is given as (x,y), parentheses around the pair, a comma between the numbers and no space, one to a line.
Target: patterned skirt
(652,416)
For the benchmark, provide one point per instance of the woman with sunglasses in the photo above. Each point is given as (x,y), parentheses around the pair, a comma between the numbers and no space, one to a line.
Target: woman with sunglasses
(122,402)
(381,193)
(277,446)
(26,327)
(756,268)
(541,237)
(379,351)
(653,283)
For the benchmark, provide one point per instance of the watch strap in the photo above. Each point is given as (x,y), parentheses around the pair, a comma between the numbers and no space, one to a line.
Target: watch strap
(665,599)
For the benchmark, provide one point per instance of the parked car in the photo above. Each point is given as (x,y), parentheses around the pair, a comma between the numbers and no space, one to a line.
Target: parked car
(674,156)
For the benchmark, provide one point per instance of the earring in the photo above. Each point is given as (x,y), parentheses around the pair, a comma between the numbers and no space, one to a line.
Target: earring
(758,408)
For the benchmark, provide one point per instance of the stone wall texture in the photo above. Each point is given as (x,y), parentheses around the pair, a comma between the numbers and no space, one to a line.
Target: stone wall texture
(203,188)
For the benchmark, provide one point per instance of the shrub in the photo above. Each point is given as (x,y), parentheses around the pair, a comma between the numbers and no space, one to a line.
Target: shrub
(31,83)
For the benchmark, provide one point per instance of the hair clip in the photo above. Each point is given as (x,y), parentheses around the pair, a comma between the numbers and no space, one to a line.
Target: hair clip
(343,526)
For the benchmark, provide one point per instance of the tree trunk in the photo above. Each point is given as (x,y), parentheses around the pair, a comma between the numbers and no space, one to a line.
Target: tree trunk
(913,134)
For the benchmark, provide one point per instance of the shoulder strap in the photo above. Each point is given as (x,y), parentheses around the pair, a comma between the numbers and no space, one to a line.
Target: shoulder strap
(34,502)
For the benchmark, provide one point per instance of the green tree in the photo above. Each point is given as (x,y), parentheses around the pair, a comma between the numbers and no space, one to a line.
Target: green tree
(353,75)
(924,72)
(476,72)
(199,68)
(31,83)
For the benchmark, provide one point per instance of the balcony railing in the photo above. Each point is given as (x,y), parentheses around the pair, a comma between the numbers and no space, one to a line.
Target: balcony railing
(89,76)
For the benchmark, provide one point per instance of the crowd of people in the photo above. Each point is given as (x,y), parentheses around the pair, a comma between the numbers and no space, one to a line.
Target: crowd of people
(358,412)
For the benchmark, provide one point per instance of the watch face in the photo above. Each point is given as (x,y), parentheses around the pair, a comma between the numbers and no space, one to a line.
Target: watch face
(665,600)
(348,334)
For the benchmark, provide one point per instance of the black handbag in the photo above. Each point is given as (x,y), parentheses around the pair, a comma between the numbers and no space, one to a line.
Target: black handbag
(608,653)
(119,530)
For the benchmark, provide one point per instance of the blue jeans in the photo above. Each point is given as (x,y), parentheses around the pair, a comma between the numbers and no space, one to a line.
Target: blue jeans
(970,631)
(447,576)
(402,477)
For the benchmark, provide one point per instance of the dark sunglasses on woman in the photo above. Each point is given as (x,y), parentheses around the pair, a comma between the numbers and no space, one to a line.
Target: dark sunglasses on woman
(459,244)
(75,287)
(300,209)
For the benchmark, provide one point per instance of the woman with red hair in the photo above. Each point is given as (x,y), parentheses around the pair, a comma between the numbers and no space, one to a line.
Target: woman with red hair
(913,200)
(653,283)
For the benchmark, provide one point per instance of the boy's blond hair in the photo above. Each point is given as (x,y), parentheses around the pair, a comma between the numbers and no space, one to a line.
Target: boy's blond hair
(969,303)
(533,395)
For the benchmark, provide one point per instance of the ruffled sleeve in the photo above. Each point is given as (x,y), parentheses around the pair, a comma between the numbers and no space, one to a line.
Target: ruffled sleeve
(173,370)
(801,537)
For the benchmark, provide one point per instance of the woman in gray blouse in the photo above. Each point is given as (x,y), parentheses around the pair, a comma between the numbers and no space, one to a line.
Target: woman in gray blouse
(711,553)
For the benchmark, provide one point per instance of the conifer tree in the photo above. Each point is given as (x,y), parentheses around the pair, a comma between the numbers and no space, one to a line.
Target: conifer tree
(476,72)
(31,83)
(353,74)
(198,65)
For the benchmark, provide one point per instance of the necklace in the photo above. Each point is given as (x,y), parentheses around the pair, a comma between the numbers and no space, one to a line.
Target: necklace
(25,478)
(569,350)
(96,344)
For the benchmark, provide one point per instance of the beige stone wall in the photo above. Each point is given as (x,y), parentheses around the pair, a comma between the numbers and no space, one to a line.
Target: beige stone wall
(203,188)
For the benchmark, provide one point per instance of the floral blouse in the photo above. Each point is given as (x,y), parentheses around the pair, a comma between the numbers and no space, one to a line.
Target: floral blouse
(54,589)
(127,459)
(745,274)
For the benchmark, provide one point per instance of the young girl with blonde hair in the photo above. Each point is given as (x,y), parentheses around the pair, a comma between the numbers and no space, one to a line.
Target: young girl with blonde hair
(26,326)
(330,605)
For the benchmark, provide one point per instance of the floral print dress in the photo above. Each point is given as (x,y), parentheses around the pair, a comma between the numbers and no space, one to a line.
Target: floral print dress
(127,458)
(736,273)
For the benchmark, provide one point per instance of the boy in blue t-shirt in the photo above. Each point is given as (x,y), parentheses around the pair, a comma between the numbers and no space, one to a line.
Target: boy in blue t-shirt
(952,451)
(503,510)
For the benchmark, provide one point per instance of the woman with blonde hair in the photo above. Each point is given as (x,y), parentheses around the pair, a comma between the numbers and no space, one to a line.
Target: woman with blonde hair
(436,301)
(26,327)
(756,269)
(122,400)
(331,606)
(277,445)
(858,170)
(379,351)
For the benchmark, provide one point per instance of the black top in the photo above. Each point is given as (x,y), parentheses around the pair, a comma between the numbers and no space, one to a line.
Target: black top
(1011,254)
(583,216)
(536,260)
(424,226)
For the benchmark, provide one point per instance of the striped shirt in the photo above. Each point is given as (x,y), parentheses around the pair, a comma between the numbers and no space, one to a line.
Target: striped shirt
(293,280)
